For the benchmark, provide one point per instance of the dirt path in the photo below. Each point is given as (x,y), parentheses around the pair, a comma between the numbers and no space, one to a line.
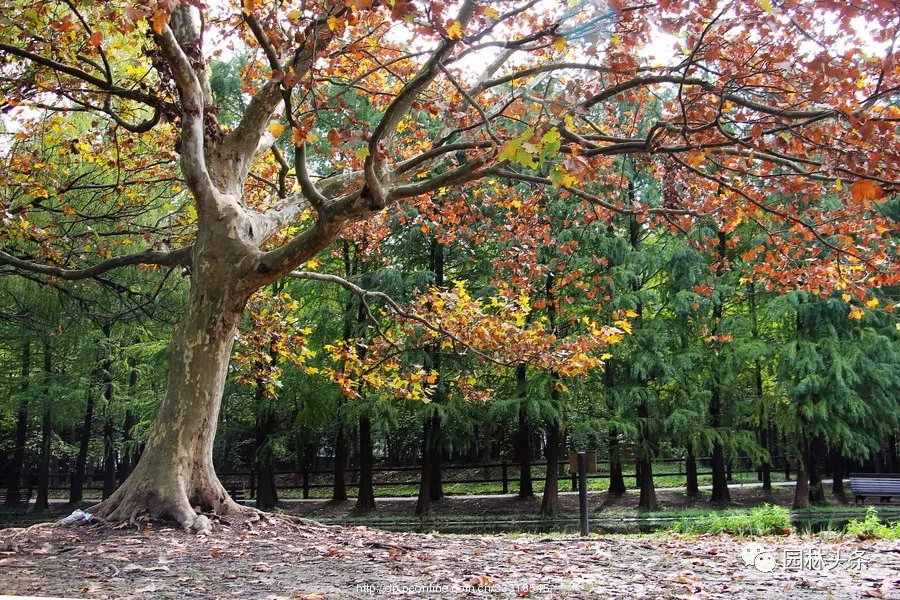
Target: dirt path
(279,560)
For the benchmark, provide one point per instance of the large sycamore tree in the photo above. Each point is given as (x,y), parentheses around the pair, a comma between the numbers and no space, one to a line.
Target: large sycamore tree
(775,112)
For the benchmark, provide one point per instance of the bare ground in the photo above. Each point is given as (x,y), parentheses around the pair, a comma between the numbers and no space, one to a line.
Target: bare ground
(275,558)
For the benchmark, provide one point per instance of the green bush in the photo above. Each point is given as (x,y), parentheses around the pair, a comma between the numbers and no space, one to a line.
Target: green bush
(761,520)
(872,528)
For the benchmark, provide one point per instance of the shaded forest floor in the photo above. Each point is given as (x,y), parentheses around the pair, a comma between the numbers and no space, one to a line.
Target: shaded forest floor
(277,559)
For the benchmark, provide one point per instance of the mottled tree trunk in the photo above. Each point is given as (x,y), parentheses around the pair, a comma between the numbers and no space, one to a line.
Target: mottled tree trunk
(175,473)
(366,498)
(16,466)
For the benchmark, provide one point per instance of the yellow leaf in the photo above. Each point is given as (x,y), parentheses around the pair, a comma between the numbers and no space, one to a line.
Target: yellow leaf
(454,30)
(559,43)
(845,297)
(276,129)
(856,313)
(766,5)
(332,23)
(491,12)
(872,303)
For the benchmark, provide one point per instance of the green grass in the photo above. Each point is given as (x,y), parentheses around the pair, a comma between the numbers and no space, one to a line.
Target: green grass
(871,527)
(760,520)
(666,476)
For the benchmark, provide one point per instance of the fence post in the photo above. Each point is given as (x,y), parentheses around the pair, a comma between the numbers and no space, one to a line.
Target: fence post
(505,477)
(305,484)
(253,484)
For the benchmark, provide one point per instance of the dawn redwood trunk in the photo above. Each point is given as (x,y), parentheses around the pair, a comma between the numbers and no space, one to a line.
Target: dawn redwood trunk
(76,490)
(43,483)
(801,490)
(366,498)
(720,493)
(109,458)
(128,456)
(550,500)
(266,490)
(690,469)
(647,499)
(13,490)
(616,478)
(815,455)
(339,492)
(523,450)
(837,472)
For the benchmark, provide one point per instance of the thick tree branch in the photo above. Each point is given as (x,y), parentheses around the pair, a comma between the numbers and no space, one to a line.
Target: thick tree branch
(181,256)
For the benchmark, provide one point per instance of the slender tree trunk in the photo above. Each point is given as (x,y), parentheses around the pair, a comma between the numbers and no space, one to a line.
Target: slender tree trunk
(720,493)
(339,493)
(109,458)
(801,490)
(837,472)
(17,465)
(523,441)
(76,490)
(436,488)
(43,492)
(431,487)
(128,459)
(647,499)
(550,499)
(814,469)
(266,424)
(690,469)
(430,447)
(487,450)
(175,472)
(365,501)
(616,478)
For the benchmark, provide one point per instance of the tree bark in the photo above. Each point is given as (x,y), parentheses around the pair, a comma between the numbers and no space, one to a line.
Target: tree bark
(109,427)
(16,466)
(523,441)
(43,492)
(109,458)
(690,469)
(365,501)
(266,490)
(801,490)
(814,469)
(647,499)
(126,465)
(550,500)
(175,473)
(339,492)
(837,472)
(616,478)
(76,490)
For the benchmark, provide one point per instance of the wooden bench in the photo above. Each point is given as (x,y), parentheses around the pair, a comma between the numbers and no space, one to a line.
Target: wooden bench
(24,497)
(883,485)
